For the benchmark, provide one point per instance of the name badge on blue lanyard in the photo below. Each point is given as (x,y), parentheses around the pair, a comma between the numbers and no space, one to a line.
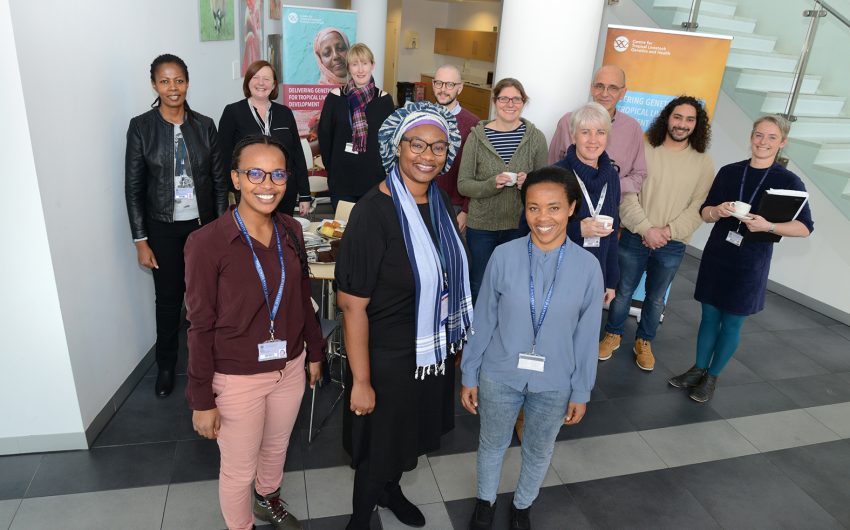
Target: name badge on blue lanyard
(533,360)
(272,349)
(734,236)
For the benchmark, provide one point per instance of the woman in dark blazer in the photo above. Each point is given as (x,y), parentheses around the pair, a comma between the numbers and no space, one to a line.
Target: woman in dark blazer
(258,113)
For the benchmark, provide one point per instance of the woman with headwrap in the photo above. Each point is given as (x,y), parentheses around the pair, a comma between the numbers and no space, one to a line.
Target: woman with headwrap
(348,130)
(331,47)
(403,284)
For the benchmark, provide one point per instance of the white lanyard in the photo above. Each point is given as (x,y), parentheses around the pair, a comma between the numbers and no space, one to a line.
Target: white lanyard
(265,128)
(593,211)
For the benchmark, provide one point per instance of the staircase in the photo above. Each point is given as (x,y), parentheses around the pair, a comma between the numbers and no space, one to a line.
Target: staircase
(759,79)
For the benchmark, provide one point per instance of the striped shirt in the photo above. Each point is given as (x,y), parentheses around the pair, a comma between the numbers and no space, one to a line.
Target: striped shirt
(505,143)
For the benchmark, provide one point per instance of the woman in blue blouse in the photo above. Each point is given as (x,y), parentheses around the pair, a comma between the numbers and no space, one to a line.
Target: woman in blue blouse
(733,272)
(534,342)
(589,127)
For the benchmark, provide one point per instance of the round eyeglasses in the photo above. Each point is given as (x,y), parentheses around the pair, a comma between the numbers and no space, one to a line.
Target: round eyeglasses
(258,176)
(418,146)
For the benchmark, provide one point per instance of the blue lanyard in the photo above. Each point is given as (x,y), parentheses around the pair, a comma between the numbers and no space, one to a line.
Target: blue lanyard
(261,274)
(535,324)
(755,191)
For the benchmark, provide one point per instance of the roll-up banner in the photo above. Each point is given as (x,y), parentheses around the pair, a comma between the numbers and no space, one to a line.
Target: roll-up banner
(661,65)
(315,44)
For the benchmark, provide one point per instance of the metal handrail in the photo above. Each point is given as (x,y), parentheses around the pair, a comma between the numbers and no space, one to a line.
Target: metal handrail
(691,24)
(834,12)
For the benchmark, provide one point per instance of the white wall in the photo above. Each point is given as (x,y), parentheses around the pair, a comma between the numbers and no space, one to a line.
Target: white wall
(84,71)
(816,267)
(37,394)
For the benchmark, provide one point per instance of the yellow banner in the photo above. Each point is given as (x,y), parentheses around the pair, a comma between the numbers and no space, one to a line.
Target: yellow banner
(661,65)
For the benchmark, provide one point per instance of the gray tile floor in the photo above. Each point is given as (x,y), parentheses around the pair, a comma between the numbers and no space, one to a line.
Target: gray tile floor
(770,450)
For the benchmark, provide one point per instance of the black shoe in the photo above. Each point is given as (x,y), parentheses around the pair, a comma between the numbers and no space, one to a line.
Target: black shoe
(520,519)
(404,510)
(482,517)
(164,382)
(689,379)
(705,389)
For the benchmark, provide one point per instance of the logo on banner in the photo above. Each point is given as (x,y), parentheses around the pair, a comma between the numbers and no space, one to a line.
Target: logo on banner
(621,43)
(293,18)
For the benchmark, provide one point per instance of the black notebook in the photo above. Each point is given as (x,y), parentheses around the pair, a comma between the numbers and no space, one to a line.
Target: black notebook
(778,206)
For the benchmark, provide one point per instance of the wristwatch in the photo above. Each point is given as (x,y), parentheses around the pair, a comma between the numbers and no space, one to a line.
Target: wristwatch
(772,228)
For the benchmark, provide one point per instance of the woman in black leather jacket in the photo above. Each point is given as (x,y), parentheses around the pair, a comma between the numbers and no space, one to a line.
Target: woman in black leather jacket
(173,184)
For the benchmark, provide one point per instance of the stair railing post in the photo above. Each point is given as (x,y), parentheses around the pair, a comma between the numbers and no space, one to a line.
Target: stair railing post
(691,24)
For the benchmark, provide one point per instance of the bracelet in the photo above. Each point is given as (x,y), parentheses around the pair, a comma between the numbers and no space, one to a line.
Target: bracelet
(711,216)
(772,228)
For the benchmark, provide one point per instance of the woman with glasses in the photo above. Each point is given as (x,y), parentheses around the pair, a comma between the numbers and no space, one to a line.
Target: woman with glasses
(404,293)
(497,156)
(173,183)
(248,299)
(258,113)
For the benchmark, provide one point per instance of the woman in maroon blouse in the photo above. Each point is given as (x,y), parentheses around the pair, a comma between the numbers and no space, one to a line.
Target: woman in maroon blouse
(248,299)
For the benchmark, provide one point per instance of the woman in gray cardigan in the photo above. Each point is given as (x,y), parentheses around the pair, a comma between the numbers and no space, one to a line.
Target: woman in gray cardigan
(496,157)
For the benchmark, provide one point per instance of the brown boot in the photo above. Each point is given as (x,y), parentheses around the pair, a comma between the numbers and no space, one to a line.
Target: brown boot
(643,355)
(609,343)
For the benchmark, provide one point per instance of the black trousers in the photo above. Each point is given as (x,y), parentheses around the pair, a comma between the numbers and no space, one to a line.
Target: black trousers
(167,241)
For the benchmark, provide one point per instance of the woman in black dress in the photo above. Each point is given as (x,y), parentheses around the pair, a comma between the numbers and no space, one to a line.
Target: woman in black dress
(259,114)
(733,271)
(404,292)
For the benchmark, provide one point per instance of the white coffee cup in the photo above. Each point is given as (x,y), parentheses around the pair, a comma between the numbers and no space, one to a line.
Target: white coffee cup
(606,220)
(741,208)
(513,176)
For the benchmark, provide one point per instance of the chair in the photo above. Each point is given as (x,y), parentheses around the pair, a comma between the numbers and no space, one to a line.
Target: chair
(343,210)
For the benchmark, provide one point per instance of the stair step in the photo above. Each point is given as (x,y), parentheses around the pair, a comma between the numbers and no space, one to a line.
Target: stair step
(807,104)
(711,6)
(774,62)
(718,23)
(766,81)
(837,167)
(833,154)
(748,41)
(808,128)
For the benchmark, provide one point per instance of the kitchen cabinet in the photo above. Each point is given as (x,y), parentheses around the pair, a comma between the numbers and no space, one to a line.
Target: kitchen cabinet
(474,99)
(478,45)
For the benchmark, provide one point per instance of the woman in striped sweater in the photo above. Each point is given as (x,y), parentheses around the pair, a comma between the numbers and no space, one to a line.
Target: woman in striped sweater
(496,157)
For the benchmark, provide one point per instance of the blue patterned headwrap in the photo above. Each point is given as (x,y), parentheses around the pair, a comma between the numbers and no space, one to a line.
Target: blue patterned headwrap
(413,114)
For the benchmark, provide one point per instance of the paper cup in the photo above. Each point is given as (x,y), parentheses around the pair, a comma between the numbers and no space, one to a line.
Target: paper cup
(606,220)
(513,178)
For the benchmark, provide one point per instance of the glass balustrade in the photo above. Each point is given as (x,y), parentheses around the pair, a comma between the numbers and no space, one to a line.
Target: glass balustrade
(760,75)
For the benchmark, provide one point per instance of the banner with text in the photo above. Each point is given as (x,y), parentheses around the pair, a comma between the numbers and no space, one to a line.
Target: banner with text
(661,65)
(315,44)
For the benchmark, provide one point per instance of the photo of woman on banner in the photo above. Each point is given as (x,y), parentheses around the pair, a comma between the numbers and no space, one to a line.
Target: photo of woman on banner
(331,47)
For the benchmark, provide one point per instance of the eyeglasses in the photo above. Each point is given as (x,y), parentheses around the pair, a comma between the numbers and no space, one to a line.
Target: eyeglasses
(258,176)
(448,84)
(611,89)
(418,146)
(504,100)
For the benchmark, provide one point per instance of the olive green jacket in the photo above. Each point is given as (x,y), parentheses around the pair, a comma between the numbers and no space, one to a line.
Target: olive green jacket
(491,208)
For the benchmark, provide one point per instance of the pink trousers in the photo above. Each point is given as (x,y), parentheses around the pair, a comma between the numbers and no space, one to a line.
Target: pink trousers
(257,414)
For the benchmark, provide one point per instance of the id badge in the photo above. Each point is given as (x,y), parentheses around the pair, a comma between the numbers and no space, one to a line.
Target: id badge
(184,193)
(735,238)
(272,350)
(591,242)
(349,148)
(531,361)
(444,307)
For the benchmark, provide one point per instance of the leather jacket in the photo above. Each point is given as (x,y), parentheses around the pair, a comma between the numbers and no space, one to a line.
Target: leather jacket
(149,169)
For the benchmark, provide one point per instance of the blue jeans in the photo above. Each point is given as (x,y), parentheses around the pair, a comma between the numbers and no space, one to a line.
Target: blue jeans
(498,407)
(481,245)
(660,266)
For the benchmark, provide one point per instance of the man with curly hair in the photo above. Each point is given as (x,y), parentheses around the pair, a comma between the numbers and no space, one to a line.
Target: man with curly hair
(659,220)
